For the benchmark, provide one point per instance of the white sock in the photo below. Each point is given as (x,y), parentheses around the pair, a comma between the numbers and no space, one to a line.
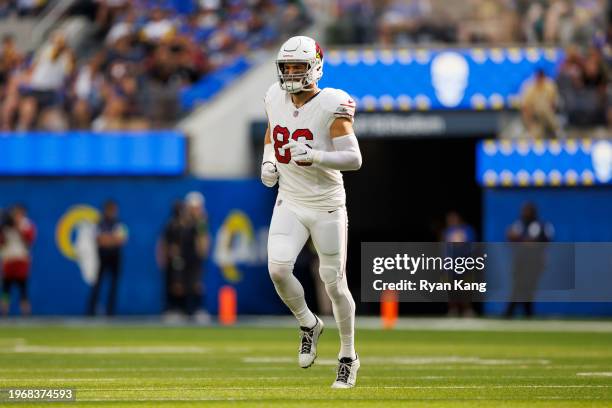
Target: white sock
(347,341)
(344,312)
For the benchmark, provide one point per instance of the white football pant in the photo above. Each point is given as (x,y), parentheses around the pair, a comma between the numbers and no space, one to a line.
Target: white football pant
(290,228)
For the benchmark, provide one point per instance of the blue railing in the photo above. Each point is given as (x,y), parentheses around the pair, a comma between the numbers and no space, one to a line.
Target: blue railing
(89,153)
(542,163)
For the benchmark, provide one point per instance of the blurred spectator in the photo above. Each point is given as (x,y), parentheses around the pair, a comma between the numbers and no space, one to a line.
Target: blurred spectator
(555,21)
(50,72)
(124,26)
(10,58)
(18,80)
(558,24)
(583,87)
(571,69)
(538,108)
(108,10)
(533,22)
(402,21)
(115,117)
(457,230)
(165,79)
(30,7)
(87,92)
(124,49)
(529,261)
(353,22)
(594,74)
(111,237)
(121,95)
(475,21)
(171,260)
(282,17)
(459,235)
(5,8)
(17,234)
(21,8)
(195,249)
(183,248)
(10,79)
(158,28)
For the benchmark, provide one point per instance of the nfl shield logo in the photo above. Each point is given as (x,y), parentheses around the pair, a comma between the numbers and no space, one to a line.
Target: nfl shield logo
(295,113)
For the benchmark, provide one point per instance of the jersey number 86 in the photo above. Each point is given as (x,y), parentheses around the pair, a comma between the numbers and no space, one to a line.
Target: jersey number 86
(281,135)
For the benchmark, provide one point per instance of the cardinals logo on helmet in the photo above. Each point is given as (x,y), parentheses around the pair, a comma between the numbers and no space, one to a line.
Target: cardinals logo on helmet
(319,51)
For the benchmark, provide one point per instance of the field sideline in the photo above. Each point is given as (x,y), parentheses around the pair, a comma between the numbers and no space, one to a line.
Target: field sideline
(434,363)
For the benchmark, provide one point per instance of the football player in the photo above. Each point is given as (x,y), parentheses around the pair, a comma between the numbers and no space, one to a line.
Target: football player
(309,141)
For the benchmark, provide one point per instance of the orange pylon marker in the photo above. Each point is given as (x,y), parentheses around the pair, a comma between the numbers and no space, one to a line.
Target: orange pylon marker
(228,305)
(389,309)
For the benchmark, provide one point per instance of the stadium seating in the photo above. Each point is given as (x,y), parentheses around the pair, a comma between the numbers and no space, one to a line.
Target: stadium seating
(149,54)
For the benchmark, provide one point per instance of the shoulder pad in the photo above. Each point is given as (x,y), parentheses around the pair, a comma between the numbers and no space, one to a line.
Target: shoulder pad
(338,103)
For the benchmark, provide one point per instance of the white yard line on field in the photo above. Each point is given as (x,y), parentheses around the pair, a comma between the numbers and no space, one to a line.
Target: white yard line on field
(497,325)
(159,399)
(362,322)
(596,374)
(23,348)
(98,369)
(406,360)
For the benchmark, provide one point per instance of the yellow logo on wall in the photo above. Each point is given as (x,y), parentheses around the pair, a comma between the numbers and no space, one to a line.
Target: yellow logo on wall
(75,236)
(239,243)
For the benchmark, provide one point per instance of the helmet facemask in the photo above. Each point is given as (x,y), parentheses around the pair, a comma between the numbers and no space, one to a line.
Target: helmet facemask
(294,83)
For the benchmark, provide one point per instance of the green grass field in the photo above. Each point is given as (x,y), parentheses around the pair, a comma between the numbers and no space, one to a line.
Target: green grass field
(152,365)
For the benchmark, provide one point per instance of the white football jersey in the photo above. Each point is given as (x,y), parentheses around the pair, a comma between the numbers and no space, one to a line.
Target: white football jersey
(309,185)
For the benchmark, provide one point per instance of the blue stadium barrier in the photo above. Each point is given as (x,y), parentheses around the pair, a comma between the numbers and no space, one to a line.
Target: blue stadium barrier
(424,79)
(553,175)
(541,163)
(577,215)
(64,209)
(90,153)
